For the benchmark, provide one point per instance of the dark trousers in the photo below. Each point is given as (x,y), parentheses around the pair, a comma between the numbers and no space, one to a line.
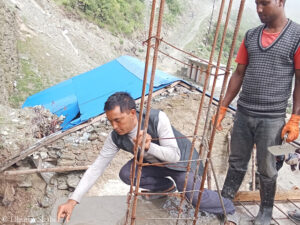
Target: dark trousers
(156,178)
(247,131)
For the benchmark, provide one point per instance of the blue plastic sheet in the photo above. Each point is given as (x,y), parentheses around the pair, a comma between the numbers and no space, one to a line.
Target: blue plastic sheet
(82,97)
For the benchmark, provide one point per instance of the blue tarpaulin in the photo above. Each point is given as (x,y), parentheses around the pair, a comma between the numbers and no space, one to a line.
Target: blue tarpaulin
(82,97)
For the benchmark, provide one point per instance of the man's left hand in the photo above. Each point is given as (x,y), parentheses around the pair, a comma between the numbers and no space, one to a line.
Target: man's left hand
(292,128)
(147,142)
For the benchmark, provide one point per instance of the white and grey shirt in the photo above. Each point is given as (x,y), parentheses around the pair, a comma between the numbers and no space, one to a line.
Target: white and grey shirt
(167,151)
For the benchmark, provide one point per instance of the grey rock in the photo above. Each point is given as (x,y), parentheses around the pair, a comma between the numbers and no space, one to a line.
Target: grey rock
(26,183)
(62,183)
(97,124)
(90,129)
(73,180)
(46,202)
(53,154)
(43,155)
(54,181)
(51,191)
(81,157)
(93,137)
(68,155)
(9,195)
(65,162)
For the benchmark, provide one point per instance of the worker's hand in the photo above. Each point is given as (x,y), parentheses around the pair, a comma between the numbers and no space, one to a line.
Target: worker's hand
(293,159)
(292,128)
(222,114)
(148,140)
(65,210)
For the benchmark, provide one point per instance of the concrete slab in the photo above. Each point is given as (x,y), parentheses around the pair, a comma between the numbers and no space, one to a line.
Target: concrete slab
(111,210)
(108,210)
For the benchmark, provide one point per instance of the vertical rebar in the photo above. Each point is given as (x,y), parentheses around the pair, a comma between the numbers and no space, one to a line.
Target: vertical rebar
(146,121)
(208,71)
(133,166)
(215,76)
(220,102)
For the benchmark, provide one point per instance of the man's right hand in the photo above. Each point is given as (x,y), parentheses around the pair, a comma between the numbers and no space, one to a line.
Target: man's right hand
(65,210)
(222,114)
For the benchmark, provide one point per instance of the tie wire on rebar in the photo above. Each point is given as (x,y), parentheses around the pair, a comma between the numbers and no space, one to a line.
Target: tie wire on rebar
(138,162)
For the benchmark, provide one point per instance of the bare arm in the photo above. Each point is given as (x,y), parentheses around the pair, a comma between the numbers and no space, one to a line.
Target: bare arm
(296,94)
(235,84)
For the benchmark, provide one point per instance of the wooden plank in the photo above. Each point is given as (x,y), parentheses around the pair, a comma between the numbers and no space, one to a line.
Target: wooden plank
(250,196)
(45,170)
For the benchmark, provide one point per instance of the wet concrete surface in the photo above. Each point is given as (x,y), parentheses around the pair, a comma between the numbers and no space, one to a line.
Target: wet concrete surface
(111,210)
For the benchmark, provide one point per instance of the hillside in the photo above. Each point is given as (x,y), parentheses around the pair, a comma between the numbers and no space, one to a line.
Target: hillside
(43,44)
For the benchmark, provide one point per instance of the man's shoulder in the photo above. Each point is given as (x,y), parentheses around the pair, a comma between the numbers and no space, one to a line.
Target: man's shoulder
(254,30)
(296,26)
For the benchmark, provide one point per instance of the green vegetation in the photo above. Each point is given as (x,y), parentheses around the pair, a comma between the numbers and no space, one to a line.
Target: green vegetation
(28,84)
(118,16)
(174,10)
(202,45)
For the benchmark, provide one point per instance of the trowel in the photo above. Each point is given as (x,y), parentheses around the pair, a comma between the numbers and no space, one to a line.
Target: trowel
(283,149)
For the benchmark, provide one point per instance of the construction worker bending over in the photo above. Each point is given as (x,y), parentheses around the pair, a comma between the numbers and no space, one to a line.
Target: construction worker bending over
(267,60)
(121,111)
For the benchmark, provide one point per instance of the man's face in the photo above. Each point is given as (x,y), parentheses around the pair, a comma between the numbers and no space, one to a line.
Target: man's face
(122,122)
(268,10)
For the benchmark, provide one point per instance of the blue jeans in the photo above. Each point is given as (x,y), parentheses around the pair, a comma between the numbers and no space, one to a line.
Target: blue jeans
(156,179)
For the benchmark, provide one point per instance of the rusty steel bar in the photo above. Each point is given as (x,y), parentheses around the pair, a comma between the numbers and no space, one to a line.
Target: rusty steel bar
(218,189)
(203,60)
(220,101)
(293,203)
(208,71)
(287,216)
(146,121)
(216,73)
(133,167)
(246,209)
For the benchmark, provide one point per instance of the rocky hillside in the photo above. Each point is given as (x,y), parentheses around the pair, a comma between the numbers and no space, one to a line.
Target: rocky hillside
(43,44)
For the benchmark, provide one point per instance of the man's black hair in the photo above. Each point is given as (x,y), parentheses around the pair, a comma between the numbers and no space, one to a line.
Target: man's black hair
(122,99)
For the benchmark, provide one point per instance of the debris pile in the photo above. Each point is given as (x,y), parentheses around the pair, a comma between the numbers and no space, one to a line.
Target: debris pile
(20,128)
